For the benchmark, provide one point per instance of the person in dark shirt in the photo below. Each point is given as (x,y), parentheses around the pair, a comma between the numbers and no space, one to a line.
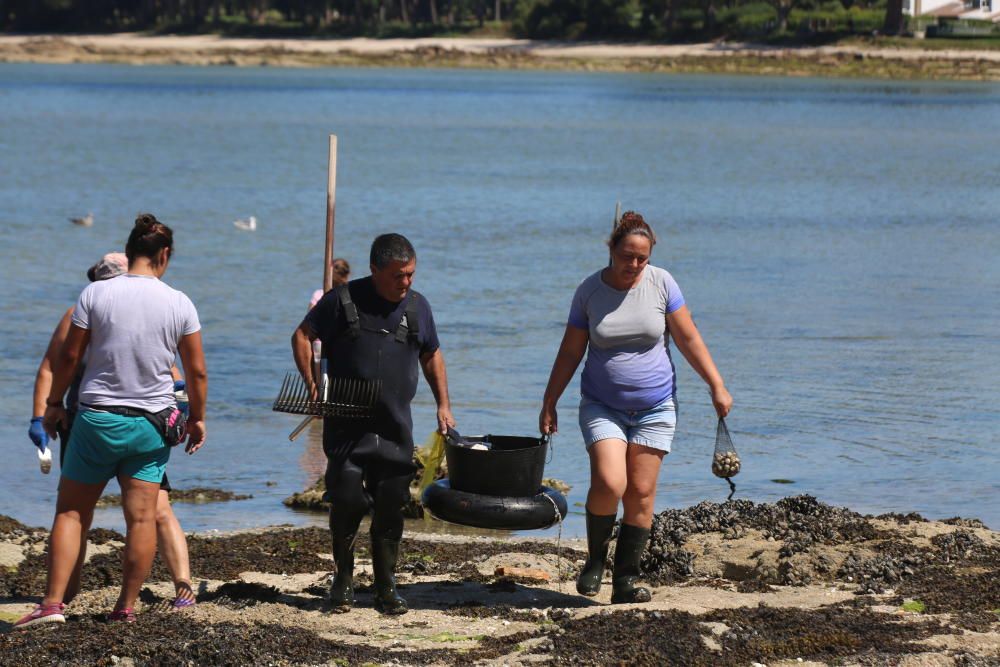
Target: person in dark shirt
(374,329)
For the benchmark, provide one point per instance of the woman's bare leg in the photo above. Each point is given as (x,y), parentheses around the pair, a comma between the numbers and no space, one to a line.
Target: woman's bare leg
(73,587)
(139,505)
(173,546)
(607,476)
(639,499)
(74,512)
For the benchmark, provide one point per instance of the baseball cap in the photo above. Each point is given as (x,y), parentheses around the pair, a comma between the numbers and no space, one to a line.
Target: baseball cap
(111,265)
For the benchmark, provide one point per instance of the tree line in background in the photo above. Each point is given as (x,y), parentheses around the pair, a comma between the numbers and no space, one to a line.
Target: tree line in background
(660,20)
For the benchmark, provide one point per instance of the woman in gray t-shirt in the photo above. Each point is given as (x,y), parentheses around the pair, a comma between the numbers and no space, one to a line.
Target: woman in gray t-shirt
(621,317)
(131,326)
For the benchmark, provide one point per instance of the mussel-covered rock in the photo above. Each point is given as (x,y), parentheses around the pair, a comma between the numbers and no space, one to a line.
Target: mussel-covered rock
(725,464)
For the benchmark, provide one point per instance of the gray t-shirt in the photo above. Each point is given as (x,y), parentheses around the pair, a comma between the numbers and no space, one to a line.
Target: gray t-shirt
(135,323)
(628,362)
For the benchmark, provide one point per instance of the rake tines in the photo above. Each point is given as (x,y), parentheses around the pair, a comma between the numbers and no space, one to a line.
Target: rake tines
(351,397)
(294,397)
(346,398)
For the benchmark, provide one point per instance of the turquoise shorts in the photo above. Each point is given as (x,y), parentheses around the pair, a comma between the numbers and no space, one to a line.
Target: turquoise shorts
(103,445)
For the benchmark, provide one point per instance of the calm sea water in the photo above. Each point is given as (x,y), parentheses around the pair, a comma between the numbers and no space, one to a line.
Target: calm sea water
(837,241)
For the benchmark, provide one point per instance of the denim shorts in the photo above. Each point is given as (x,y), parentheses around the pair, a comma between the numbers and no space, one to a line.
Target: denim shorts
(104,445)
(651,428)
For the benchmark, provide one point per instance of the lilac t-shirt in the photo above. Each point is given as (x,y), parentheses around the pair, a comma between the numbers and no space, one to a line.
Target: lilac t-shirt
(628,361)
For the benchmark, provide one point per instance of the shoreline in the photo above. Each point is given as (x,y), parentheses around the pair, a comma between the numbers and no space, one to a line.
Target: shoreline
(847,61)
(796,582)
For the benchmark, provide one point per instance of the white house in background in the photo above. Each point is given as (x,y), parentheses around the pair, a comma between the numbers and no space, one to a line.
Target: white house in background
(984,10)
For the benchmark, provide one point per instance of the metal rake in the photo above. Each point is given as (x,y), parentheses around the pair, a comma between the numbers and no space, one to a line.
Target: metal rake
(343,398)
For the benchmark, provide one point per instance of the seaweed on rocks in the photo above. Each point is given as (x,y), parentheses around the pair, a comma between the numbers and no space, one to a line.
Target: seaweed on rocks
(274,551)
(753,586)
(964,523)
(944,588)
(800,522)
(177,639)
(226,557)
(10,527)
(501,611)
(983,621)
(764,634)
(959,545)
(26,580)
(242,594)
(631,638)
(197,494)
(103,536)
(665,565)
(873,575)
(794,572)
(291,551)
(971,660)
(902,519)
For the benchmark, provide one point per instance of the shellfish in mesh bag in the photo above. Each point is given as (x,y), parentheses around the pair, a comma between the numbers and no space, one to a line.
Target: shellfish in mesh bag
(725,460)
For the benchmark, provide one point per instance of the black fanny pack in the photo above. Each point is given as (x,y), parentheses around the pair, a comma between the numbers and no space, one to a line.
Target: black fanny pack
(169,422)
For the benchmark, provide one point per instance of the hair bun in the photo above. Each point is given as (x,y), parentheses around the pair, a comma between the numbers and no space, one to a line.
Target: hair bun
(631,223)
(145,222)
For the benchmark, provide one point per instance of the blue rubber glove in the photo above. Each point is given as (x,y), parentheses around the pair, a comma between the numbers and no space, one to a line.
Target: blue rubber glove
(180,394)
(37,434)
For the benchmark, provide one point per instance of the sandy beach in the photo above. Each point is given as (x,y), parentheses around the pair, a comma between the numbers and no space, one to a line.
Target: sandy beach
(796,582)
(733,58)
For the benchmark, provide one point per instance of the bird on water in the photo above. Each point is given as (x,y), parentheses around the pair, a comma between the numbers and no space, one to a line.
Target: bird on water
(249,225)
(85,221)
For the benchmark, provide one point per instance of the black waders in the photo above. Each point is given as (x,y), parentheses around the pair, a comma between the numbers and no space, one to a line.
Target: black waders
(370,463)
(599,529)
(384,555)
(342,589)
(628,552)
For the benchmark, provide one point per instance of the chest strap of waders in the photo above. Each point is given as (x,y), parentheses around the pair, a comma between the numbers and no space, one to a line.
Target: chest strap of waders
(350,312)
(409,324)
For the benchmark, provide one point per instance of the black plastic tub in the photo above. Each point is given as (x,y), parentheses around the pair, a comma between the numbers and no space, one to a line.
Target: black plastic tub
(513,466)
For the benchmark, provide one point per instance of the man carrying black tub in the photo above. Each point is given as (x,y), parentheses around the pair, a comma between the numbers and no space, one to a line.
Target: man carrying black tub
(374,328)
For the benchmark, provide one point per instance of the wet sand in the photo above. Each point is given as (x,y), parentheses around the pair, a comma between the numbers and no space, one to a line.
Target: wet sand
(502,53)
(794,582)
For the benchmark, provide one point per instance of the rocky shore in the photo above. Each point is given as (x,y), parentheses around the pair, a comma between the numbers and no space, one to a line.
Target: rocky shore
(793,582)
(854,61)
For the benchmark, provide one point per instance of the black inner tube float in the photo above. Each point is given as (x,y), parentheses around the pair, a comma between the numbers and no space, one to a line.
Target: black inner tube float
(495,481)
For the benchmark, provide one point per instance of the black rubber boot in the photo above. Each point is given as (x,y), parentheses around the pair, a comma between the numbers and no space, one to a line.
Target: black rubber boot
(628,552)
(599,529)
(387,600)
(342,589)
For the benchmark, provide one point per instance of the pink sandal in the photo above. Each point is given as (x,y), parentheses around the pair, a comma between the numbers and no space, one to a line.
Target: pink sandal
(122,616)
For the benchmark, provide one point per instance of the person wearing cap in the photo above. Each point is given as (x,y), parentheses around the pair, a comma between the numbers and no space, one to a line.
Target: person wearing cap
(109,266)
(375,329)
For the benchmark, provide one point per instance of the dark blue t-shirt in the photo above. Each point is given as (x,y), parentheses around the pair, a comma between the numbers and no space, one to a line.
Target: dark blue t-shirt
(327,321)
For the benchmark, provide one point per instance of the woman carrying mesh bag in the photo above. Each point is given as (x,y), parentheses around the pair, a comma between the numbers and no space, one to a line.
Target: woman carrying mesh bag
(620,317)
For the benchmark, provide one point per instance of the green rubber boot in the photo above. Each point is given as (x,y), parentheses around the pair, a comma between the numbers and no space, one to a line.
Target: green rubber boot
(341,595)
(599,528)
(628,552)
(387,600)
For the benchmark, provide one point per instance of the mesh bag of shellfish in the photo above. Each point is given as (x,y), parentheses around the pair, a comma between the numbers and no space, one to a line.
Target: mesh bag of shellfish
(725,460)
